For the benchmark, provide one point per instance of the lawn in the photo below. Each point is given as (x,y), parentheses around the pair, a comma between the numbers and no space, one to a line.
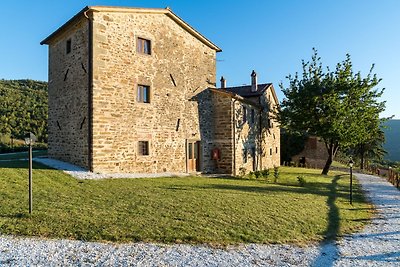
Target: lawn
(180,210)
(22,155)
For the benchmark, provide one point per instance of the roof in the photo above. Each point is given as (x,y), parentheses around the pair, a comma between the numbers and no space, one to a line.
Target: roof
(245,91)
(167,11)
(235,96)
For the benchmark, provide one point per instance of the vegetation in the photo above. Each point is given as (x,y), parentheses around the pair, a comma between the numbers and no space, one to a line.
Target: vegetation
(190,209)
(339,106)
(23,109)
(22,155)
(392,144)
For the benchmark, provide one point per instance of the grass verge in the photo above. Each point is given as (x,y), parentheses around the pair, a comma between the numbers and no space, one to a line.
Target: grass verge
(180,210)
(22,155)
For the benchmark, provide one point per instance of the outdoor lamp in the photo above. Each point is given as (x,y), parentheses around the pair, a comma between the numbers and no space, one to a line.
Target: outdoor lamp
(351,162)
(29,140)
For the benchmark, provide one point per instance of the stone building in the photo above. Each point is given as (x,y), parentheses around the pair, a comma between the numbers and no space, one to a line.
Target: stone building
(313,155)
(133,90)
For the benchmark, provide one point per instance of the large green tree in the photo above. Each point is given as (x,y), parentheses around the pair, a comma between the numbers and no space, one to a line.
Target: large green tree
(340,106)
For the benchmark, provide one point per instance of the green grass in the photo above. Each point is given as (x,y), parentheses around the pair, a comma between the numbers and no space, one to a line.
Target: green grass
(180,210)
(339,164)
(22,155)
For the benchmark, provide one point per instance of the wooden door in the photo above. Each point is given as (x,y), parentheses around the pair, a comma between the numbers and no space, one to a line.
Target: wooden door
(193,156)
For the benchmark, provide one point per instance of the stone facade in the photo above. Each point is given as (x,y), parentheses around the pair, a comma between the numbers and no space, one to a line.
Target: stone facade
(98,121)
(68,95)
(246,144)
(314,153)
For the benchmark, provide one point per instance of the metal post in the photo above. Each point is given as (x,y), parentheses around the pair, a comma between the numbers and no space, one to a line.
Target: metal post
(30,178)
(351,185)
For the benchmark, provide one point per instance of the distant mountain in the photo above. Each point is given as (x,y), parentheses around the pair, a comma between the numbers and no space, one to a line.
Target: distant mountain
(392,135)
(23,108)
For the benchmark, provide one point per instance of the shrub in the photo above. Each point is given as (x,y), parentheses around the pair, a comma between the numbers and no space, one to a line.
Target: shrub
(242,172)
(301,180)
(258,174)
(276,174)
(265,173)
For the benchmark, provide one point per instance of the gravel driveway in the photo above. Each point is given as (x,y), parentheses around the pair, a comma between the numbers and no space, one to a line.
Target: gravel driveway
(377,245)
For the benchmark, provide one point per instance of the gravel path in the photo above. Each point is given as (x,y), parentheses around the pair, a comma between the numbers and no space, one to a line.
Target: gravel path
(81,173)
(377,245)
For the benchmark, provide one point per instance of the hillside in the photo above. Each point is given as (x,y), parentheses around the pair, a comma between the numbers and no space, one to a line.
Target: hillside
(392,135)
(23,108)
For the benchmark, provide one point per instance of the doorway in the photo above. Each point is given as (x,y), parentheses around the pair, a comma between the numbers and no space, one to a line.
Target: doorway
(193,156)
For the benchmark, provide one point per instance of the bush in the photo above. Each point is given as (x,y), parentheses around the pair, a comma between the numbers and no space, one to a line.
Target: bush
(301,180)
(265,173)
(258,174)
(242,172)
(276,174)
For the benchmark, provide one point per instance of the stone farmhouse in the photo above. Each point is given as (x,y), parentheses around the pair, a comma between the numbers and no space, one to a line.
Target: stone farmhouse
(134,90)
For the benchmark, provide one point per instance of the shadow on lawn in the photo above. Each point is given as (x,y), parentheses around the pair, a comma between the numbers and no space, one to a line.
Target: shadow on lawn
(329,249)
(22,164)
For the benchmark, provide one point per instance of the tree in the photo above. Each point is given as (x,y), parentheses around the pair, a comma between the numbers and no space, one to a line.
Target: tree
(339,106)
(371,149)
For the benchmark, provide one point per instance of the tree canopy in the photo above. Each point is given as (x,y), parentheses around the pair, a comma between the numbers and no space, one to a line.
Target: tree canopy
(23,108)
(340,106)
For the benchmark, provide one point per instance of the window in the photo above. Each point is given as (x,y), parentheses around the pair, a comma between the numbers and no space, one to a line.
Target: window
(144,148)
(143,93)
(244,114)
(68,46)
(270,151)
(143,46)
(252,116)
(276,150)
(244,155)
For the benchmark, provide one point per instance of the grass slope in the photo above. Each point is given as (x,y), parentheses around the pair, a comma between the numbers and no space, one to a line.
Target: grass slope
(392,144)
(190,210)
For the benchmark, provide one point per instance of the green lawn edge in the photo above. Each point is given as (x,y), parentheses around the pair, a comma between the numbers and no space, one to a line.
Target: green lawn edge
(193,210)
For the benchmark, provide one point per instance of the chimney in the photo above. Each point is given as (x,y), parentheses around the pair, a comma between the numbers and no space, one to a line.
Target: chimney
(223,82)
(253,81)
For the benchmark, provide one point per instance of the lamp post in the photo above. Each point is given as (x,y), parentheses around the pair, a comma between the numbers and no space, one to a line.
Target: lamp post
(29,140)
(351,162)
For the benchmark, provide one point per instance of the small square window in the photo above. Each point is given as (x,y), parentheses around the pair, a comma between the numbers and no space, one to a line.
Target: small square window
(144,148)
(143,93)
(68,46)
(244,114)
(143,46)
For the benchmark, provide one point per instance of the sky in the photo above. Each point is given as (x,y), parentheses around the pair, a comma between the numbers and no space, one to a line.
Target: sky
(271,37)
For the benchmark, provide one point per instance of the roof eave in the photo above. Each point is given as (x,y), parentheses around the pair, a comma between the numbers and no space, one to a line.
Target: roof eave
(166,11)
(235,96)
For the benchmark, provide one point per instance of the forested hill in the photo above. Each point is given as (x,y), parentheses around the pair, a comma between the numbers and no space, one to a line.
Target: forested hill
(23,108)
(392,136)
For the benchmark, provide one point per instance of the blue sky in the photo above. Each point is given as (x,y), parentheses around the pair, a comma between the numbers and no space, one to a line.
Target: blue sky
(271,37)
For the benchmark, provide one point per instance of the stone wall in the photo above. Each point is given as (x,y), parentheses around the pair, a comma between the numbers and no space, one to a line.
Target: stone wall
(265,142)
(68,96)
(314,153)
(179,67)
(271,133)
(222,138)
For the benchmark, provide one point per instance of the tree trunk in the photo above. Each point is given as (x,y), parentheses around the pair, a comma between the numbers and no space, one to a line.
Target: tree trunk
(327,164)
(362,161)
(332,149)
